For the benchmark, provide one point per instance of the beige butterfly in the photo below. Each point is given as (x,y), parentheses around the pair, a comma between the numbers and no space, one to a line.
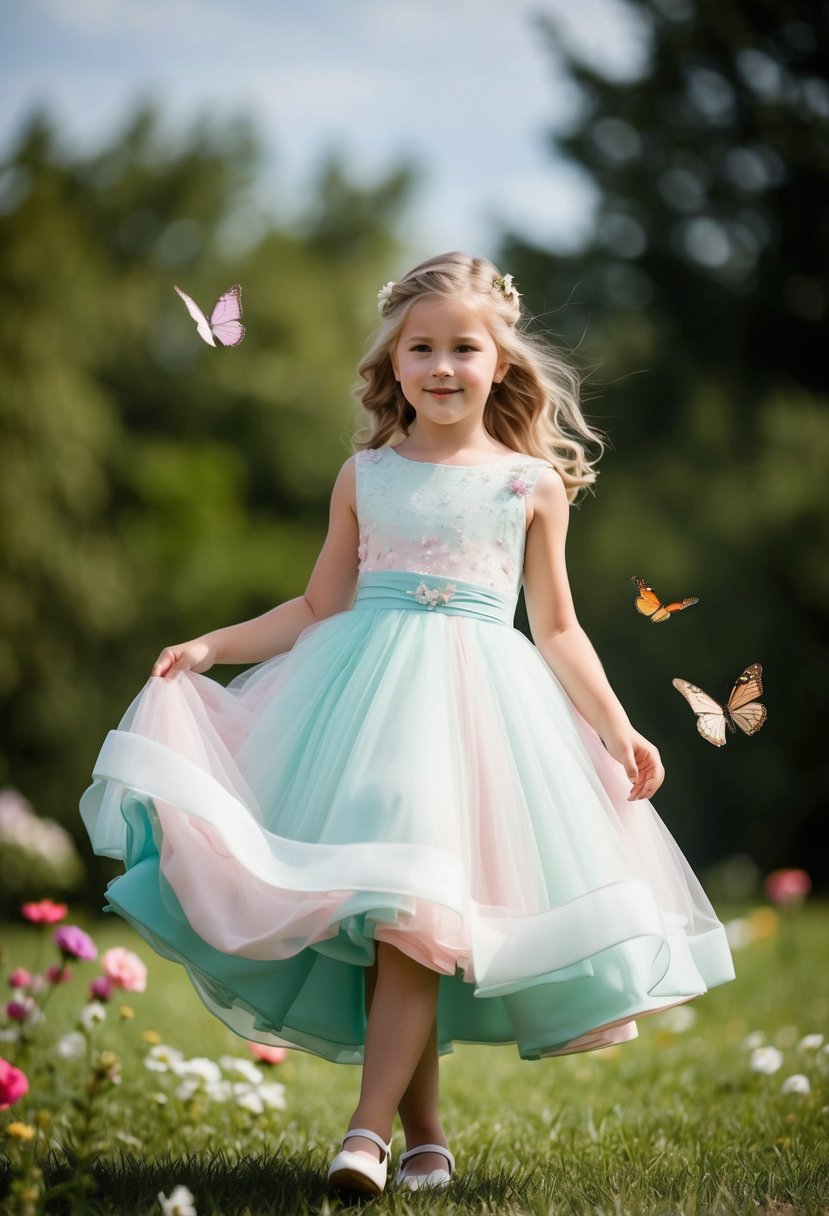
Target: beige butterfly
(741,709)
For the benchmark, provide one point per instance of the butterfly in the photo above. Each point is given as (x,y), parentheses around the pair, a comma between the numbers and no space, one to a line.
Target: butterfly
(224,322)
(649,603)
(741,709)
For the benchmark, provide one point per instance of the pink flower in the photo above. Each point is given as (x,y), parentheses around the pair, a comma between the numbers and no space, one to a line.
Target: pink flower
(787,887)
(520,487)
(22,1010)
(268,1055)
(13,1084)
(74,943)
(101,988)
(58,973)
(20,978)
(124,969)
(44,912)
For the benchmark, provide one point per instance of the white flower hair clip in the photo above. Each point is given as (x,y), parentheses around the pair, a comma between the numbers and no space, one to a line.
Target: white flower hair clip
(383,297)
(505,285)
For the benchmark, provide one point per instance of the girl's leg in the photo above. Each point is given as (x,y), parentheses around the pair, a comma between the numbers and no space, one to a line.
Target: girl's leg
(400,1026)
(418,1108)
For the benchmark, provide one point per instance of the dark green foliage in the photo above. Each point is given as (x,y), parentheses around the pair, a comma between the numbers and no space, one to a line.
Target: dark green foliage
(152,488)
(699,305)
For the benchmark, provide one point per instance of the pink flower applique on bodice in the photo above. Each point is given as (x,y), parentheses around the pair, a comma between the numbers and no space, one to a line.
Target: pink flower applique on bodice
(451,521)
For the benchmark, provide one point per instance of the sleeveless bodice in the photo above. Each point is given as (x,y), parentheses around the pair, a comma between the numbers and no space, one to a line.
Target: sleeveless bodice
(451,521)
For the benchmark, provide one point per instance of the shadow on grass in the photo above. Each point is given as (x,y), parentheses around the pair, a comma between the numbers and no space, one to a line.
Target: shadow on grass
(256,1186)
(271,1185)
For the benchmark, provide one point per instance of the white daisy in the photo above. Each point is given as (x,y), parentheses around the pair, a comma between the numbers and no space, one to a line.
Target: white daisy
(796,1084)
(180,1202)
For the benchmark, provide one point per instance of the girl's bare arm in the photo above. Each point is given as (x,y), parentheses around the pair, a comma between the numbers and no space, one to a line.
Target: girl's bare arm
(566,647)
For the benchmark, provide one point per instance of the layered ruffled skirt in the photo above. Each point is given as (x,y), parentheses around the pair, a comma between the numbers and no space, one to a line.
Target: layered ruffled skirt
(412,774)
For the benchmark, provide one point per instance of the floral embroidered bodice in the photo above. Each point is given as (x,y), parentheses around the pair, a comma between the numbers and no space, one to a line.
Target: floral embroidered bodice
(451,521)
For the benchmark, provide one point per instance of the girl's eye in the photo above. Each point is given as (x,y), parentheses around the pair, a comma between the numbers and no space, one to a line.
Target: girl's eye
(464,349)
(421,346)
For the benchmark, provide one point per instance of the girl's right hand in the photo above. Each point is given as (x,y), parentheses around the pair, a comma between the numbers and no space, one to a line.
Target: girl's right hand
(197,655)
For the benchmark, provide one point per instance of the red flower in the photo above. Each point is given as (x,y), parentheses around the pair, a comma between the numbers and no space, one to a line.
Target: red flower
(58,973)
(20,978)
(13,1084)
(268,1055)
(44,912)
(787,887)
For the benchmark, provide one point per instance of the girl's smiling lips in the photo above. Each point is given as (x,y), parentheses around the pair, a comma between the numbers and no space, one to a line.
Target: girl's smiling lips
(442,392)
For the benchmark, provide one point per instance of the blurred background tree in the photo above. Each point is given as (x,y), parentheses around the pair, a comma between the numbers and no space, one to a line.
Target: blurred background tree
(150,487)
(699,305)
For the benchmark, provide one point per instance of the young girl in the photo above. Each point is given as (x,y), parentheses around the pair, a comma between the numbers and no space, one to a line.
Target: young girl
(408,825)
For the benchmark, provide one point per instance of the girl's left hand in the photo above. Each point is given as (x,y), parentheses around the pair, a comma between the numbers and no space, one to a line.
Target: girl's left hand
(640,760)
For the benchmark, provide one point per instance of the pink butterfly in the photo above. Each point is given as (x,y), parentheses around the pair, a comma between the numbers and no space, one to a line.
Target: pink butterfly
(224,322)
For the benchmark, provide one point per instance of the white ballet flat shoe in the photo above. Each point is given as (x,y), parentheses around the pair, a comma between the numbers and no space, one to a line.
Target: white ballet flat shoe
(437,1179)
(357,1173)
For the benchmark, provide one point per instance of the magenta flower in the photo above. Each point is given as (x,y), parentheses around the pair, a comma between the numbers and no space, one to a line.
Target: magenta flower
(13,1084)
(20,978)
(22,1010)
(74,943)
(101,988)
(267,1054)
(520,487)
(787,887)
(124,969)
(44,912)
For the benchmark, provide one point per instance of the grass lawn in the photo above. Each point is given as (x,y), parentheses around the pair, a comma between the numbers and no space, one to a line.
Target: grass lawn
(676,1122)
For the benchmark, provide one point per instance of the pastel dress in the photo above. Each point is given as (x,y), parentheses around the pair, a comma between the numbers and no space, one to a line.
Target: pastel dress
(410,772)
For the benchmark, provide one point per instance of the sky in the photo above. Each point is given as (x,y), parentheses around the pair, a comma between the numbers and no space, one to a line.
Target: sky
(466,89)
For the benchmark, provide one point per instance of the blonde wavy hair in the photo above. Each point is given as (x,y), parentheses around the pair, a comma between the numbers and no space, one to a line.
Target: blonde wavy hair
(535,409)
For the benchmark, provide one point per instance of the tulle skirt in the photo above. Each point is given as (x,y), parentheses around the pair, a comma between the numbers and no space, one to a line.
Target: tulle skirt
(410,776)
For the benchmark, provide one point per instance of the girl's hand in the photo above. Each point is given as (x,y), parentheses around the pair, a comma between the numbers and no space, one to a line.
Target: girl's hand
(640,760)
(197,655)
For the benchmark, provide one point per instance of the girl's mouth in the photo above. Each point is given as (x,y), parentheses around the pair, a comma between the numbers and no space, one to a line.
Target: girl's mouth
(442,392)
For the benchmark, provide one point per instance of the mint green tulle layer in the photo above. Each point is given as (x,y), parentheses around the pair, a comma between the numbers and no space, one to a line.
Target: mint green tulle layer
(413,777)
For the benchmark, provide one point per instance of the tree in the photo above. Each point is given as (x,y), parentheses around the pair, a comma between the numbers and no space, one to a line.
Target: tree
(701,297)
(152,488)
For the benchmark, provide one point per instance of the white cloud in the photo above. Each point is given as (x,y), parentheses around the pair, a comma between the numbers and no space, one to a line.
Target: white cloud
(464,88)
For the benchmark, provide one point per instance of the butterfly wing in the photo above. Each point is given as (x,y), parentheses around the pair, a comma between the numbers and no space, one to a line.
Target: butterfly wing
(743,707)
(224,319)
(711,720)
(647,601)
(750,717)
(649,604)
(202,323)
(681,605)
(747,687)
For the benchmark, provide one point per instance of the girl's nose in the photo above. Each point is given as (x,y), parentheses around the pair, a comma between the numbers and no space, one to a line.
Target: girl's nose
(442,366)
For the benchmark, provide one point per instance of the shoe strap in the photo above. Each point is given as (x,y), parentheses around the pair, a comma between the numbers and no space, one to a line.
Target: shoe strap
(429,1148)
(369,1135)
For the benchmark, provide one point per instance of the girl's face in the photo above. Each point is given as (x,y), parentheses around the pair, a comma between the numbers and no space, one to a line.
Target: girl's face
(446,360)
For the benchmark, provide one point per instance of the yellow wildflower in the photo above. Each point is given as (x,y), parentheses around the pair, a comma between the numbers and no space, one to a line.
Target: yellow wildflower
(21,1131)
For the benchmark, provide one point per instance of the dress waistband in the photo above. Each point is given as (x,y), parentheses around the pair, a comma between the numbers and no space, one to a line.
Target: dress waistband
(428,593)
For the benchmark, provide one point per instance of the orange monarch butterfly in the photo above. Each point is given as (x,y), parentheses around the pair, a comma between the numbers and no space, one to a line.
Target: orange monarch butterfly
(649,604)
(741,709)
